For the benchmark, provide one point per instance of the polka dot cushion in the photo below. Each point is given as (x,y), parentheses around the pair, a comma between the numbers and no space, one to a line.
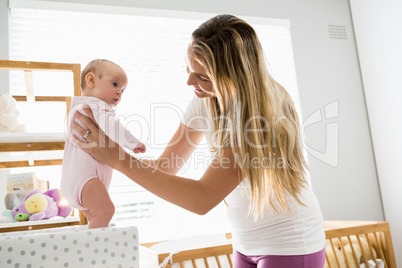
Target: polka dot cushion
(70,247)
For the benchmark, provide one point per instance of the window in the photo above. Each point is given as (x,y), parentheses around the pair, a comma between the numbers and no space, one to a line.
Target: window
(152,50)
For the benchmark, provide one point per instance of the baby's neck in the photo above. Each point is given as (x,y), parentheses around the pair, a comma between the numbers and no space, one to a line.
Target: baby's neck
(87,93)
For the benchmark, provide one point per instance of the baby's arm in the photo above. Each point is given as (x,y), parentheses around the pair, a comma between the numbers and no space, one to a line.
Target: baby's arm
(118,133)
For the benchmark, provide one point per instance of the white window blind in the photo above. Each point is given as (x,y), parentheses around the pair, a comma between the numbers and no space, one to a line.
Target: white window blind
(152,51)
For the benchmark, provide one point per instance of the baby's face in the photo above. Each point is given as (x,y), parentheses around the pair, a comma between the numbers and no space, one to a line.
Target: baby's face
(111,85)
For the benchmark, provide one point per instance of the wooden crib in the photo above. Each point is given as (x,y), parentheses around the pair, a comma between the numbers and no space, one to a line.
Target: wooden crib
(348,244)
(218,254)
(356,243)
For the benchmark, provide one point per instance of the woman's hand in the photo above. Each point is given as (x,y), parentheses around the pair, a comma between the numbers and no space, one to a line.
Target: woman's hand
(98,144)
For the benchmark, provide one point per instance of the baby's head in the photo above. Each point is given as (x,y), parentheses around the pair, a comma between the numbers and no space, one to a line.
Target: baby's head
(104,80)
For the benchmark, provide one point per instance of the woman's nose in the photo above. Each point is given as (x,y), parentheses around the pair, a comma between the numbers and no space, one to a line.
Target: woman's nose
(190,79)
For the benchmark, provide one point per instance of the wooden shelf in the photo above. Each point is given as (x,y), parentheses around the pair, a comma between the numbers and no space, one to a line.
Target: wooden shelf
(37,163)
(44,145)
(31,146)
(38,142)
(35,225)
(45,66)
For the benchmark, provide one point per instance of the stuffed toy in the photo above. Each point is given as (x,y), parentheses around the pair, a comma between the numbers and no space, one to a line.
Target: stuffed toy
(37,206)
(348,257)
(16,197)
(356,244)
(8,115)
(330,255)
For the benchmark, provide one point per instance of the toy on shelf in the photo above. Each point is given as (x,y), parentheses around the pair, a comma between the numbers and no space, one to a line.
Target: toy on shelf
(38,206)
(9,114)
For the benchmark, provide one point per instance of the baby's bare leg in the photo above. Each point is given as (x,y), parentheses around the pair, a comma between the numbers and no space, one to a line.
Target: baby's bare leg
(87,214)
(96,199)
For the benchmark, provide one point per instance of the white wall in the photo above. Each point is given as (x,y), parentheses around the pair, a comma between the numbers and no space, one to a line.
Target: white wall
(378,25)
(329,77)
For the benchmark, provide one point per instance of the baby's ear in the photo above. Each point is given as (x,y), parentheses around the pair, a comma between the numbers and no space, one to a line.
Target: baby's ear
(90,80)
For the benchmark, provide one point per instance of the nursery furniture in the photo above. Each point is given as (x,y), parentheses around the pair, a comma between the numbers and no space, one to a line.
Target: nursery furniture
(74,246)
(24,142)
(38,142)
(217,252)
(346,243)
(210,251)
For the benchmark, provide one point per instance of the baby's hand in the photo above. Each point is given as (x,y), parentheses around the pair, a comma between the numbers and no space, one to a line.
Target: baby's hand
(140,148)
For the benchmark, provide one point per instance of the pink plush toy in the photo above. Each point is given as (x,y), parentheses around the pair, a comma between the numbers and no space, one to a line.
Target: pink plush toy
(39,206)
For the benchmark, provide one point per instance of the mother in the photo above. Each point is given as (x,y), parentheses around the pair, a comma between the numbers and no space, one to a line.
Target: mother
(251,125)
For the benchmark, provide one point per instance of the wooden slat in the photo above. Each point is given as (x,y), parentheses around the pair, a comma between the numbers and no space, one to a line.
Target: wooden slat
(202,253)
(344,253)
(218,262)
(77,79)
(389,246)
(68,106)
(44,98)
(37,66)
(336,255)
(198,253)
(371,250)
(31,146)
(380,249)
(353,251)
(206,262)
(230,260)
(38,227)
(83,219)
(364,255)
(37,163)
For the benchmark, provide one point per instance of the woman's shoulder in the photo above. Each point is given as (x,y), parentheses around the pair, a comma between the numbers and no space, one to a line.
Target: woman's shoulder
(197,102)
(196,114)
(197,107)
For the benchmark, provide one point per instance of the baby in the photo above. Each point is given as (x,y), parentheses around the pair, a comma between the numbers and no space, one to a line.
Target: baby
(85,181)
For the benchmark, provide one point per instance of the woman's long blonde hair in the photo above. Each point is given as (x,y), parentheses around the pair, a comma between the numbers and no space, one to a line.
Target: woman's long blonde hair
(259,115)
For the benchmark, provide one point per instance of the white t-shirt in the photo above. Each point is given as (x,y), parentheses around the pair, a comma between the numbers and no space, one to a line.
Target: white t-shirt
(289,233)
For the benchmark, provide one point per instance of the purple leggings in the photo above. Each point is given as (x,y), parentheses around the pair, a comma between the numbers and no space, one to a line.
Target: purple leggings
(314,260)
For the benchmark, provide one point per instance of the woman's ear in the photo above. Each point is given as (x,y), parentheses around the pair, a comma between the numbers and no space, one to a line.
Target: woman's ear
(90,80)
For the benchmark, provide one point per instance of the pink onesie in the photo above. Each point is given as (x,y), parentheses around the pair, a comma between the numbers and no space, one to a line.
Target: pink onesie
(78,166)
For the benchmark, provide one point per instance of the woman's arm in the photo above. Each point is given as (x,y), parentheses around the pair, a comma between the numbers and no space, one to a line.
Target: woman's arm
(179,149)
(198,196)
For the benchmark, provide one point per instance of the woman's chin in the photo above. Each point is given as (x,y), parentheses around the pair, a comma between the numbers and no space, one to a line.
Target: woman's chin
(202,94)
(199,93)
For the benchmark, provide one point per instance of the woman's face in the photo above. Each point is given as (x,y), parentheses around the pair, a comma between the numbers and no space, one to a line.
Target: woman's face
(198,79)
